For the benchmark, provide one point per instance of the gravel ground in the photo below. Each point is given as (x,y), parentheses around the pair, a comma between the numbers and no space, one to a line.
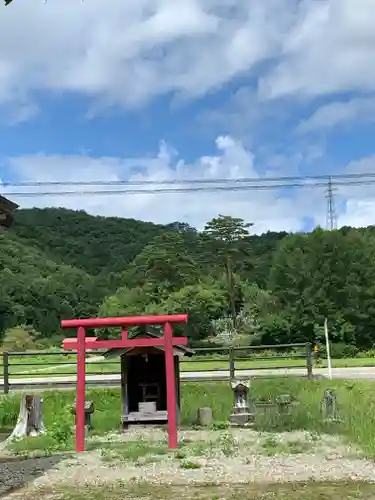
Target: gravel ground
(16,473)
(231,456)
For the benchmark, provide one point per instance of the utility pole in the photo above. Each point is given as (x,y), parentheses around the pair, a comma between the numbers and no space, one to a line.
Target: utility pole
(229,273)
(331,216)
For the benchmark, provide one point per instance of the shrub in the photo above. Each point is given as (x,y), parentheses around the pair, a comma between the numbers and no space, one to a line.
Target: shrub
(20,338)
(367,354)
(339,350)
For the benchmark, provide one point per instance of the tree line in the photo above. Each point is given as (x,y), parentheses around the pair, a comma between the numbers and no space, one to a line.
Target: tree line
(236,287)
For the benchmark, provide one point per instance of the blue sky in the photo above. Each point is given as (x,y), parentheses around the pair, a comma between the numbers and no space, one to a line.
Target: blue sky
(161,89)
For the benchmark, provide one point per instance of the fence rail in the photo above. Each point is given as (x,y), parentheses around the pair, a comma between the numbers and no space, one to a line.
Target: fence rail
(212,361)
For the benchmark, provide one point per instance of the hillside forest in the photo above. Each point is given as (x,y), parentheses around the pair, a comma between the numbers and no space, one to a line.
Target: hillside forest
(236,286)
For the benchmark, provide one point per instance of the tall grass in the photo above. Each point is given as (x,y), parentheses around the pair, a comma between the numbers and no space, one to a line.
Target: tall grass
(356,405)
(356,401)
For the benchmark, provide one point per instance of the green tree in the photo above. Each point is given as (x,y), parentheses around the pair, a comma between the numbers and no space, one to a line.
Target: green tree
(19,339)
(38,292)
(257,301)
(225,233)
(98,245)
(163,265)
(6,312)
(203,302)
(327,274)
(57,263)
(125,302)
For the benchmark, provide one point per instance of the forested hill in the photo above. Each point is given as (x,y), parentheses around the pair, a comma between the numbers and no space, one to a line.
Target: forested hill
(58,263)
(96,244)
(107,244)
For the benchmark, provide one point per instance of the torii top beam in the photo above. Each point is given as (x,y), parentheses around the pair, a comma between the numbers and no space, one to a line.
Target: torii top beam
(160,319)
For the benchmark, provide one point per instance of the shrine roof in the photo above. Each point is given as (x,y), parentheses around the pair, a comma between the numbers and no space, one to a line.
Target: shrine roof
(7,205)
(149,332)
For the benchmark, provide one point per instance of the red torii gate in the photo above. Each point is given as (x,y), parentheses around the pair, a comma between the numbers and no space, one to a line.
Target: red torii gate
(81,343)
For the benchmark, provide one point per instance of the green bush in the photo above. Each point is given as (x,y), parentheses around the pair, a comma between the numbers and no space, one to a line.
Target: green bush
(8,412)
(367,354)
(61,431)
(339,350)
(20,338)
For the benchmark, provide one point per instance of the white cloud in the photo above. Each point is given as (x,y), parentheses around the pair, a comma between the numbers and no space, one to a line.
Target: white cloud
(274,210)
(131,51)
(329,49)
(128,52)
(269,210)
(339,114)
(358,201)
(359,213)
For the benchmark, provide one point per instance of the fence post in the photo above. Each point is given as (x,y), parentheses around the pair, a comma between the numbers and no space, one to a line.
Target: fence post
(231,363)
(309,361)
(6,372)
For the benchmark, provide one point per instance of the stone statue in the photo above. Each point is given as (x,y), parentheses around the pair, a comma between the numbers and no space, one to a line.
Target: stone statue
(241,414)
(329,406)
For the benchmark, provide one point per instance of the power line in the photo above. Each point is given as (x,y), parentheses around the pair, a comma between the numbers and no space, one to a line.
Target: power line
(326,177)
(234,187)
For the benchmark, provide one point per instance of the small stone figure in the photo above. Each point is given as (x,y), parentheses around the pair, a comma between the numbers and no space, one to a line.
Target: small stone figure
(284,403)
(241,396)
(241,414)
(329,406)
(89,410)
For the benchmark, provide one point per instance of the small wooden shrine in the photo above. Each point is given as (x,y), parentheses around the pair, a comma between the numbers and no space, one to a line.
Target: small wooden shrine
(143,379)
(6,209)
(82,344)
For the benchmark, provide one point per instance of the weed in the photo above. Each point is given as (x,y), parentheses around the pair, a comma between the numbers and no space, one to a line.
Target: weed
(190,464)
(61,431)
(8,412)
(272,446)
(313,490)
(269,446)
(180,454)
(315,436)
(132,451)
(217,426)
(296,447)
(228,444)
(33,445)
(201,448)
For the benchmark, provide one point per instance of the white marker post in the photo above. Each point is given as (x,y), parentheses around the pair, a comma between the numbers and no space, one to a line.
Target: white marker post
(328,350)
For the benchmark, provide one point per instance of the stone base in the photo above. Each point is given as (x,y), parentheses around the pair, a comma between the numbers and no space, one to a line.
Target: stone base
(242,417)
(332,420)
(87,430)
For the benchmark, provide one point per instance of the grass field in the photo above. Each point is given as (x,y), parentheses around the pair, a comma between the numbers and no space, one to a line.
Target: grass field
(288,491)
(106,366)
(356,404)
(53,365)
